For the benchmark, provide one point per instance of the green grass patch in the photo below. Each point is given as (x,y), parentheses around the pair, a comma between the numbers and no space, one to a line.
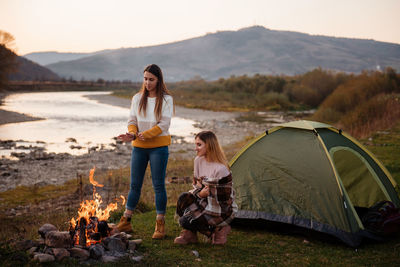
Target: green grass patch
(386,147)
(23,195)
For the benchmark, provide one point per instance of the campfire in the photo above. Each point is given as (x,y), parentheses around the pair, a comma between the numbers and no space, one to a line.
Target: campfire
(89,237)
(91,224)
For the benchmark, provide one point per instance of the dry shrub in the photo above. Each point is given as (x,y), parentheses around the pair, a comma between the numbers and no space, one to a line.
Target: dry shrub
(313,87)
(379,113)
(328,115)
(305,95)
(363,104)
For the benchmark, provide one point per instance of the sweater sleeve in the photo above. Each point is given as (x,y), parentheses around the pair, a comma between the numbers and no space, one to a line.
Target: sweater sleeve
(132,121)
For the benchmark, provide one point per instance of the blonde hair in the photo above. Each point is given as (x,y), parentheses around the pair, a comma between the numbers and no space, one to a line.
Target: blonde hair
(161,90)
(214,152)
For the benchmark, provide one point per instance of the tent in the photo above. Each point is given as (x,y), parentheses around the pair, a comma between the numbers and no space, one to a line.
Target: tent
(311,175)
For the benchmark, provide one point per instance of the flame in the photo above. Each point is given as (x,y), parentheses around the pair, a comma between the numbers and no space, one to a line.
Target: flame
(123,200)
(91,208)
(92,181)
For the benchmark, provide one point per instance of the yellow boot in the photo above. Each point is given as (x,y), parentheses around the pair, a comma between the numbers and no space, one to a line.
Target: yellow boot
(159,232)
(125,225)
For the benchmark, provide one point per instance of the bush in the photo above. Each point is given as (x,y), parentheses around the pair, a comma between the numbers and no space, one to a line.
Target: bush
(379,113)
(363,103)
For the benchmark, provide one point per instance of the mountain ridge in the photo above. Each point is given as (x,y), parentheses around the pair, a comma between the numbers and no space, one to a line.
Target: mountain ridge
(247,51)
(50,57)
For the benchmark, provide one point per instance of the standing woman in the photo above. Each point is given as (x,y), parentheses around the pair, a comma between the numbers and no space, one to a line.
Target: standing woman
(148,124)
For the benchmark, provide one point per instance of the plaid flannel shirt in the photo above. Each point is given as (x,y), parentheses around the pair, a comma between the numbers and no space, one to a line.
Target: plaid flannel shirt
(219,207)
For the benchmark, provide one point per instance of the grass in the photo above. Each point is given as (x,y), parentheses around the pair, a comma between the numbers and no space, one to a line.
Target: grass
(386,147)
(248,245)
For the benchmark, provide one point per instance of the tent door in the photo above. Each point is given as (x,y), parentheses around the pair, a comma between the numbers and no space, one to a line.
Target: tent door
(358,178)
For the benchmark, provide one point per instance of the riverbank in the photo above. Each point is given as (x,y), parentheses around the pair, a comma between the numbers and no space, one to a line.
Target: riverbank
(41,168)
(12,117)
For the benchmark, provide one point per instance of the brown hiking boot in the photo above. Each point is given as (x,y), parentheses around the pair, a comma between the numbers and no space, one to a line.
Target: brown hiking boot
(159,231)
(220,235)
(186,237)
(124,225)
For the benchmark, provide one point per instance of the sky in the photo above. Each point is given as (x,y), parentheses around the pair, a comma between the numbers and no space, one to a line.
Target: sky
(94,25)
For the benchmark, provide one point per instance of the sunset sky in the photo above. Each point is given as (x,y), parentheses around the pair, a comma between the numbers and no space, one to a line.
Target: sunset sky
(93,25)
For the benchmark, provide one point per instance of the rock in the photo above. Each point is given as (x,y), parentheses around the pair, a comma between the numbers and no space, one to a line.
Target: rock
(46,228)
(75,147)
(56,239)
(116,244)
(121,235)
(41,257)
(137,258)
(96,251)
(109,258)
(131,246)
(48,250)
(113,229)
(195,253)
(79,253)
(61,253)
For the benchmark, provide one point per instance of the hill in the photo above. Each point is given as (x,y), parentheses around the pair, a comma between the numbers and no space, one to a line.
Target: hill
(45,58)
(30,71)
(246,51)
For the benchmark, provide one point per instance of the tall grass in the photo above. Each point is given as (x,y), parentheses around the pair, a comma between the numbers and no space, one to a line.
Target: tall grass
(364,104)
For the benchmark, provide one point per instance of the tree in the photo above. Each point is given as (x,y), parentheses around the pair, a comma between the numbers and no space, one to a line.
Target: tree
(8,59)
(7,39)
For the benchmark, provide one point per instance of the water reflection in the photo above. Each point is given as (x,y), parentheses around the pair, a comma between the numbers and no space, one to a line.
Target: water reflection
(72,115)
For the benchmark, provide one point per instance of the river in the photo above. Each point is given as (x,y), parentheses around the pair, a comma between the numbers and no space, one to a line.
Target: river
(71,120)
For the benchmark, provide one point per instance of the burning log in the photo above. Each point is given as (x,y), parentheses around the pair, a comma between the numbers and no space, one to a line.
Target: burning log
(103,229)
(82,232)
(91,225)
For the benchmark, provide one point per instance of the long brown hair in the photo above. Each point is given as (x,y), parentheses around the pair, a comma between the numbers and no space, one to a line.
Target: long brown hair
(161,90)
(214,152)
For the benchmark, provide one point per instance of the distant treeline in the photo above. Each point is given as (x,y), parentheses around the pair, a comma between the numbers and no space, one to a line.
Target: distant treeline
(259,92)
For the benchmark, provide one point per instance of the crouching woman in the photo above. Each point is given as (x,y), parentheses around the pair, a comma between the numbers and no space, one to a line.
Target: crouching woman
(210,206)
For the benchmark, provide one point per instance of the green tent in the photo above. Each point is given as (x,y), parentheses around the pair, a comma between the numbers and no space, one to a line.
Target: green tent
(312,175)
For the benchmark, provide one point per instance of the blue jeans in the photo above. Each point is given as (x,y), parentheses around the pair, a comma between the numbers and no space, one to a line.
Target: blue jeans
(158,158)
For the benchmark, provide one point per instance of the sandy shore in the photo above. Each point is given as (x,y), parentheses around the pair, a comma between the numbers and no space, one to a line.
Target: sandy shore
(41,168)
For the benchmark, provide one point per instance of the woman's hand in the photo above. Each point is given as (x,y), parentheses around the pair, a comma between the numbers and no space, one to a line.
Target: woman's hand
(127,137)
(140,136)
(199,184)
(205,192)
